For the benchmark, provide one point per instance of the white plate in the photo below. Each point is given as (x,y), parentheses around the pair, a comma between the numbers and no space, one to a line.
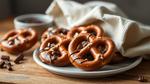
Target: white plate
(71,71)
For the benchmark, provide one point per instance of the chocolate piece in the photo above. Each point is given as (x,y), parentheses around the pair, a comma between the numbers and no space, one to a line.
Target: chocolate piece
(19,58)
(2,63)
(3,57)
(9,66)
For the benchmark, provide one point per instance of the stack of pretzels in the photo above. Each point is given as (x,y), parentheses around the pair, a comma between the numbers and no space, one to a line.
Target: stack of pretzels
(84,47)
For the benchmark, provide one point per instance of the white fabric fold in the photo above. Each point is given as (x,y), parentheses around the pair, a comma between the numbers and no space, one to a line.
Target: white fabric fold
(131,38)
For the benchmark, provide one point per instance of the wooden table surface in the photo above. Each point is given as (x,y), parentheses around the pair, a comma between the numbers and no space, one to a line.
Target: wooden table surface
(30,73)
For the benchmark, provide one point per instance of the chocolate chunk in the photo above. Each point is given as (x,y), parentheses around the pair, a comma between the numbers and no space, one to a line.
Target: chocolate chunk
(19,58)
(9,66)
(3,57)
(2,63)
(5,62)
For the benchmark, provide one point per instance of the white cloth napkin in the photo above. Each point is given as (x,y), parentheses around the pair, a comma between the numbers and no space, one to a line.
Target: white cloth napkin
(131,38)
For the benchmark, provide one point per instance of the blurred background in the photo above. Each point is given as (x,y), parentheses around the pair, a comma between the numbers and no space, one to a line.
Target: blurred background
(136,9)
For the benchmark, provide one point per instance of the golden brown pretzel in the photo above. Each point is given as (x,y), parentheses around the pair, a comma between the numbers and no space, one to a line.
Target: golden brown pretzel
(53,31)
(17,41)
(93,29)
(93,54)
(54,50)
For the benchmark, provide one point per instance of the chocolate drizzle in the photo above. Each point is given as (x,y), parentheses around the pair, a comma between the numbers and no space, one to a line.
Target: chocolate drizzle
(102,49)
(85,60)
(82,45)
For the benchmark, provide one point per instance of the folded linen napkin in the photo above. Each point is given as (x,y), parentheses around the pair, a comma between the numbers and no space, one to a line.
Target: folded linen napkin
(131,38)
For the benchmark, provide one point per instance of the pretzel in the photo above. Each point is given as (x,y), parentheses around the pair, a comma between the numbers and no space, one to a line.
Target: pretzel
(53,31)
(17,41)
(93,29)
(95,53)
(54,50)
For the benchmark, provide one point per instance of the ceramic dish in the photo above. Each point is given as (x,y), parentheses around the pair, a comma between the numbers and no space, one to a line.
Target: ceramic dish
(71,71)
(39,22)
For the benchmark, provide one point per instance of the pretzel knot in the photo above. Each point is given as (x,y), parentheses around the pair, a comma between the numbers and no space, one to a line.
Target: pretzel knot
(93,29)
(54,50)
(89,52)
(17,41)
(53,31)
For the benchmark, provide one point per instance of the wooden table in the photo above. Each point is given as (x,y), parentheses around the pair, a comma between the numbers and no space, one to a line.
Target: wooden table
(31,73)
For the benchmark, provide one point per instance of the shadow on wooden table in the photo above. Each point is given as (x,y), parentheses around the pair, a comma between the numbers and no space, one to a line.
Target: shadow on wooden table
(6,83)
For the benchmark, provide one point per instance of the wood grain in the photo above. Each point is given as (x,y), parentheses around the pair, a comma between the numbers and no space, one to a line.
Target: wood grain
(29,72)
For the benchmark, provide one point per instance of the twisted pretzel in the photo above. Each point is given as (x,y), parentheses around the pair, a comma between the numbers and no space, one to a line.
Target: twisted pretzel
(53,31)
(95,53)
(93,29)
(54,50)
(17,41)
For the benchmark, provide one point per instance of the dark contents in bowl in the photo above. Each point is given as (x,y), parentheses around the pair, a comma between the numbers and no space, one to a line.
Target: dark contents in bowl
(31,20)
